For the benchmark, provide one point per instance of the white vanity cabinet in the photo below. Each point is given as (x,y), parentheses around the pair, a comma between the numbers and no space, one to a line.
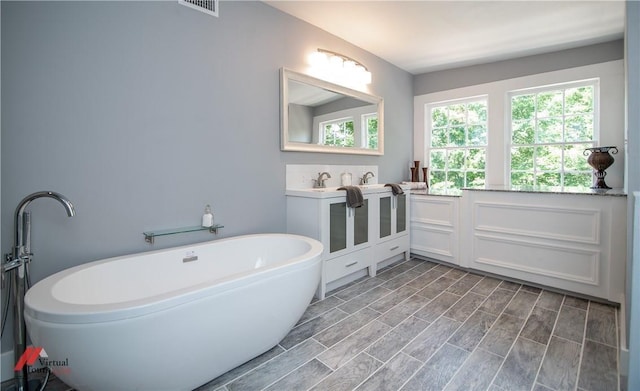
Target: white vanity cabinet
(354,239)
(346,233)
(393,226)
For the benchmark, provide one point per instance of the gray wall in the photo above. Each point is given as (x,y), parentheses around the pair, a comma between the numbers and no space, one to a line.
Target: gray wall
(300,123)
(143,112)
(485,73)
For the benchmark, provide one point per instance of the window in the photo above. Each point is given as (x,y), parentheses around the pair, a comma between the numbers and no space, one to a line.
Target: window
(370,122)
(337,132)
(458,144)
(550,129)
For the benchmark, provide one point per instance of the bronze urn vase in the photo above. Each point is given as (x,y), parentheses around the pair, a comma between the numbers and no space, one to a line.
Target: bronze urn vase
(600,159)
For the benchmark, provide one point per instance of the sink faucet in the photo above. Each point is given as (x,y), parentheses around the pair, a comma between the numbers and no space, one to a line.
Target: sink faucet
(18,264)
(365,178)
(322,176)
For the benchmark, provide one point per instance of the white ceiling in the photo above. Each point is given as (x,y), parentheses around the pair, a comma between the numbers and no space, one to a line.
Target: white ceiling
(425,36)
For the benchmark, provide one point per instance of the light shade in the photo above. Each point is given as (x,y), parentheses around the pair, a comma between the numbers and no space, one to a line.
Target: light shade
(338,68)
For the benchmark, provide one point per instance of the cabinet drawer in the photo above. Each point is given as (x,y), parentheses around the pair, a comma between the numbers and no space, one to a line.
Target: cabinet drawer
(341,266)
(389,248)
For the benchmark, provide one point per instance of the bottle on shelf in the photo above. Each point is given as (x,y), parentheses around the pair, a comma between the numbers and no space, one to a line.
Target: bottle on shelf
(207,217)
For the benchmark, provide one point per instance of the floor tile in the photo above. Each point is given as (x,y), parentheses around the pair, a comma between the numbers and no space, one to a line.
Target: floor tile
(465,307)
(521,365)
(463,285)
(559,369)
(598,371)
(570,323)
(601,326)
(437,287)
(302,378)
(486,286)
(395,271)
(437,306)
(320,307)
(469,335)
(438,371)
(576,302)
(347,377)
(521,304)
(313,326)
(389,345)
(359,288)
(539,325)
(402,279)
(351,346)
(499,340)
(455,274)
(402,311)
(278,367)
(345,327)
(361,301)
(497,300)
(396,296)
(512,286)
(550,300)
(431,339)
(392,375)
(476,373)
(425,279)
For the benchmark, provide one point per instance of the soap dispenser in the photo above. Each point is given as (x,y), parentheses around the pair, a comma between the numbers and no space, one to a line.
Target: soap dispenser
(207,217)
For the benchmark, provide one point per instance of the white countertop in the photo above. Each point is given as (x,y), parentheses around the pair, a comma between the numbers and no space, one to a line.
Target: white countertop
(331,192)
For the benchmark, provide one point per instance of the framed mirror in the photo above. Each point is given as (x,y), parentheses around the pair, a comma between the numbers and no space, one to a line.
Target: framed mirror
(319,116)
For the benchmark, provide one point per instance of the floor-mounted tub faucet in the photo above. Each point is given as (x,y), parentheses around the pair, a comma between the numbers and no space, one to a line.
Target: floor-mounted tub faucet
(17,263)
(365,178)
(322,176)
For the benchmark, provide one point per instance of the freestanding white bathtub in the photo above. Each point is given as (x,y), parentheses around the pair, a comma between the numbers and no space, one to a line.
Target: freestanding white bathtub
(164,320)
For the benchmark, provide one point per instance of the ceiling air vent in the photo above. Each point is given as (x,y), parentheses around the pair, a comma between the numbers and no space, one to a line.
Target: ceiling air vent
(207,6)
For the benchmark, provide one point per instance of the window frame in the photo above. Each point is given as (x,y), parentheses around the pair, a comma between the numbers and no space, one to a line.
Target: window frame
(428,136)
(563,86)
(322,140)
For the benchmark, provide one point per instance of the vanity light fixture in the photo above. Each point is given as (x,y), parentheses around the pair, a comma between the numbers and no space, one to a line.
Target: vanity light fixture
(338,68)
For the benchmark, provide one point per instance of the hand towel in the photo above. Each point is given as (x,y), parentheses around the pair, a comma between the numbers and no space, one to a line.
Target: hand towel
(395,188)
(354,196)
(416,185)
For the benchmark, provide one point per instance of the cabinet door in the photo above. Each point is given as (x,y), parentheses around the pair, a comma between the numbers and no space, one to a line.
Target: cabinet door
(385,216)
(337,226)
(401,213)
(361,224)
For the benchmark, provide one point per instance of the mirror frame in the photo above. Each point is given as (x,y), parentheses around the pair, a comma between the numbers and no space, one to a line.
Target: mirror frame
(286,145)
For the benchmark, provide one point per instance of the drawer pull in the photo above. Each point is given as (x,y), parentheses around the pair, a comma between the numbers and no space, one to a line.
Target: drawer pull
(351,264)
(394,248)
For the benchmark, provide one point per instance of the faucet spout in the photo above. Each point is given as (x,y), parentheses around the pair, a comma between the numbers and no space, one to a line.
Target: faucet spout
(365,178)
(21,229)
(322,176)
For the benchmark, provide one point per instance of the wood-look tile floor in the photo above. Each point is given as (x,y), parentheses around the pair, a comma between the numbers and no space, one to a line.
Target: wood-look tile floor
(419,325)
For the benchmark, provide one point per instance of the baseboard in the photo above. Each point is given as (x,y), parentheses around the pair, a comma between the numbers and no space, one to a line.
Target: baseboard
(623,357)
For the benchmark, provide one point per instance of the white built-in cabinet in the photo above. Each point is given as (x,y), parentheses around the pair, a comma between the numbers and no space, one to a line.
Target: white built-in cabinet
(354,239)
(573,242)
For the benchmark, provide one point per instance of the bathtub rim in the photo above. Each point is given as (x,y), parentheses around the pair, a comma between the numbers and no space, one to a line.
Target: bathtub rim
(41,305)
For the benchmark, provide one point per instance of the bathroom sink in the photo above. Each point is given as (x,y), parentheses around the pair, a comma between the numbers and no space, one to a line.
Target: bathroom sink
(328,192)
(371,186)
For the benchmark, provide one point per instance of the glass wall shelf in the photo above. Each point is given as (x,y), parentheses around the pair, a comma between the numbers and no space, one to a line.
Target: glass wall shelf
(150,235)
